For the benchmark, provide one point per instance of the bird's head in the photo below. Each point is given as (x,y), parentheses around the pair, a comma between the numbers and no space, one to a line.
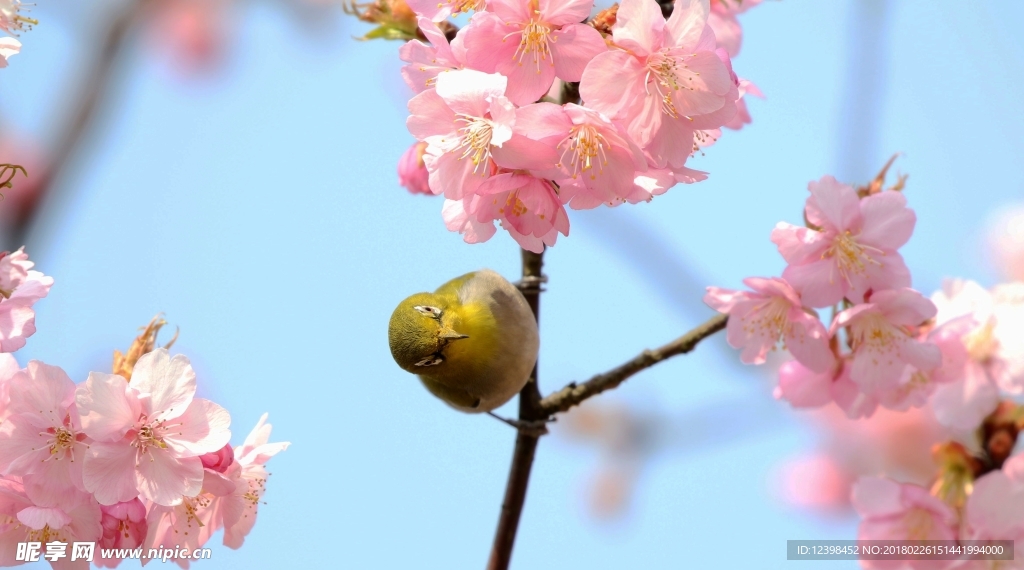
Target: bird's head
(419,332)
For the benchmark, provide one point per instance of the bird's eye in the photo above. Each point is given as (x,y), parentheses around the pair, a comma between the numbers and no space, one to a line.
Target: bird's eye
(432,360)
(429,311)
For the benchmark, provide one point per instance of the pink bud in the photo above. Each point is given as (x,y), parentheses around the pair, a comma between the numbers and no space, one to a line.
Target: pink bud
(412,172)
(124,524)
(219,460)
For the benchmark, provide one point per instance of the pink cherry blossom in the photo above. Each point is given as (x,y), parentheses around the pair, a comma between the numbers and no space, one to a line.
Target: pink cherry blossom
(42,441)
(722,20)
(150,433)
(970,394)
(240,508)
(855,248)
(665,81)
(124,526)
(895,511)
(426,62)
(882,345)
(8,47)
(531,42)
(438,10)
(526,206)
(468,124)
(758,320)
(78,520)
(598,162)
(20,288)
(412,172)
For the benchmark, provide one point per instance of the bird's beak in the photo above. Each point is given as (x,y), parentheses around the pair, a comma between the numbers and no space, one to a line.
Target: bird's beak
(449,334)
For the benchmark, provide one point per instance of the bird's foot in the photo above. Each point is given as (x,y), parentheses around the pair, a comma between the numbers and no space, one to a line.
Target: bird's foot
(535,428)
(531,283)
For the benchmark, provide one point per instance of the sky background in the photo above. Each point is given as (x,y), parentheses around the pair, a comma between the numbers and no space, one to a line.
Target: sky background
(256,204)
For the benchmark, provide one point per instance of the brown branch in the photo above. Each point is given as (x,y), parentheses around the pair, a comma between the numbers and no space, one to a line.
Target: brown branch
(574,394)
(96,84)
(526,442)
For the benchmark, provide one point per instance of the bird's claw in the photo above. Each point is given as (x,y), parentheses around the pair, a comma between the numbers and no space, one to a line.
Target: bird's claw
(531,283)
(535,428)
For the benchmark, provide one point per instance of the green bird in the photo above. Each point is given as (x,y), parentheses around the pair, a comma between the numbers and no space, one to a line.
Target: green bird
(473,342)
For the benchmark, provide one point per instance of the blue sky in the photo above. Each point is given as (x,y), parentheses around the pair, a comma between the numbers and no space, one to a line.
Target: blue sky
(258,208)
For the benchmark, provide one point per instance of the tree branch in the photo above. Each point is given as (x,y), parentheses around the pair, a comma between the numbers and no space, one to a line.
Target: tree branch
(96,84)
(574,394)
(526,443)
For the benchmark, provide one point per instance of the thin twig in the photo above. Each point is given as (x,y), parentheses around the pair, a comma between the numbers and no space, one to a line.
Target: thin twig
(526,443)
(96,84)
(574,394)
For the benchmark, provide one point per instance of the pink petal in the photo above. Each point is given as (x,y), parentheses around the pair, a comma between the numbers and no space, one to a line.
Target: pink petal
(574,46)
(904,307)
(466,91)
(562,12)
(833,205)
(38,517)
(686,24)
(611,81)
(528,78)
(924,356)
(43,392)
(107,407)
(798,245)
(109,472)
(491,44)
(807,341)
(456,220)
(892,273)
(169,383)
(203,429)
(888,222)
(521,153)
(429,116)
(639,27)
(818,282)
(164,478)
(725,300)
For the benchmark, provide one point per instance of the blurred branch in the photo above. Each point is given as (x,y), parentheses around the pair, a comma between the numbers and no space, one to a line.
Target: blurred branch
(526,441)
(574,394)
(96,84)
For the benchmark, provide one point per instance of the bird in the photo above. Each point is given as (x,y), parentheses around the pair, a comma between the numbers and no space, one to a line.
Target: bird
(473,342)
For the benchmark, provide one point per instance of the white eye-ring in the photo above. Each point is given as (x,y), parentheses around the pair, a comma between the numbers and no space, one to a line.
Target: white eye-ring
(432,312)
(432,360)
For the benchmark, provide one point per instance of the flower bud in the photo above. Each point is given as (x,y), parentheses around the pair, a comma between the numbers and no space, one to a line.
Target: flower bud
(412,173)
(219,460)
(124,524)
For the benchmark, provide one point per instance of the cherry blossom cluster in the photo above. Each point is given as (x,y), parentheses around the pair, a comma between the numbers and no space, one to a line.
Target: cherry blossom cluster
(527,109)
(12,21)
(881,347)
(887,345)
(124,460)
